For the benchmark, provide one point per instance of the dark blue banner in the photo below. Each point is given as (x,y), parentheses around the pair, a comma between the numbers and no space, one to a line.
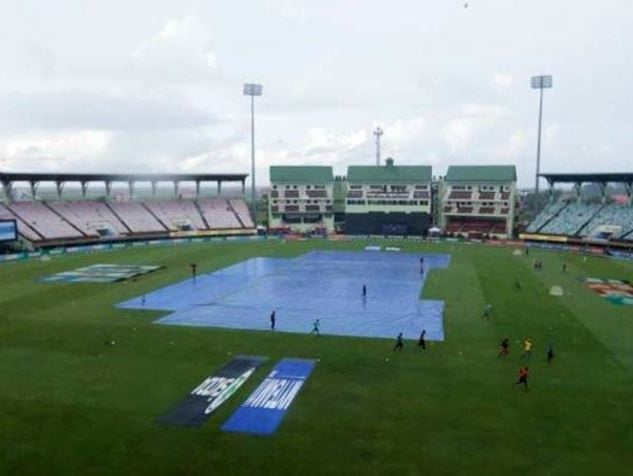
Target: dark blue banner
(197,407)
(264,410)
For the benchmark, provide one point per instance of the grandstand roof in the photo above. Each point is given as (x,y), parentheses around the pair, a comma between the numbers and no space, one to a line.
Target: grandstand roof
(589,177)
(481,173)
(81,177)
(389,174)
(301,174)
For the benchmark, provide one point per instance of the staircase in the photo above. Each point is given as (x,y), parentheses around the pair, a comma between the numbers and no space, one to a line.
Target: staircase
(118,217)
(628,235)
(65,220)
(589,221)
(547,222)
(237,215)
(24,223)
(204,219)
(155,216)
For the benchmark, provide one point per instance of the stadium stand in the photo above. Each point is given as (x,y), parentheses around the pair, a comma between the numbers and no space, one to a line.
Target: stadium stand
(23,229)
(242,212)
(57,222)
(301,199)
(90,220)
(389,199)
(478,200)
(476,226)
(136,217)
(459,195)
(585,220)
(487,195)
(453,227)
(498,227)
(45,221)
(91,217)
(486,210)
(176,214)
(543,218)
(576,218)
(218,213)
(620,217)
(571,219)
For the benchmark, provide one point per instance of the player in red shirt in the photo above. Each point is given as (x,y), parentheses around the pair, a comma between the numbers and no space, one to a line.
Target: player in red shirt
(524,373)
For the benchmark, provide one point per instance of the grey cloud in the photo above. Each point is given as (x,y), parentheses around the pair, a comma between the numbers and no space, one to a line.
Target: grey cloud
(77,110)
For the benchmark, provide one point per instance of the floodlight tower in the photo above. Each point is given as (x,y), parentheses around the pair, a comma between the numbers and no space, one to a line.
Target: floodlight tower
(378,134)
(253,90)
(540,83)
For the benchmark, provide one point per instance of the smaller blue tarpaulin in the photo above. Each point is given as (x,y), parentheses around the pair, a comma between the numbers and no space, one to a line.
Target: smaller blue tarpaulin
(263,411)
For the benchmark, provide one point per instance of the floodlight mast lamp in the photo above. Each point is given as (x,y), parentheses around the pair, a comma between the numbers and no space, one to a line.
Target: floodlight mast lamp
(253,90)
(540,83)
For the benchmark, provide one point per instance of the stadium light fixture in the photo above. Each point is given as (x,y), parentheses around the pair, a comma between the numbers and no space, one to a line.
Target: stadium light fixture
(253,90)
(540,82)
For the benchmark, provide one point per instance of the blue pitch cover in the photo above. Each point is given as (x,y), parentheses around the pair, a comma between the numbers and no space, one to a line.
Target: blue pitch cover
(197,407)
(320,284)
(264,410)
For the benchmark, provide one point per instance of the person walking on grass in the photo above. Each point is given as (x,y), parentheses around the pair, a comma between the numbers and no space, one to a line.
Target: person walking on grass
(517,284)
(487,311)
(524,373)
(315,327)
(505,348)
(422,341)
(399,343)
(273,320)
(550,353)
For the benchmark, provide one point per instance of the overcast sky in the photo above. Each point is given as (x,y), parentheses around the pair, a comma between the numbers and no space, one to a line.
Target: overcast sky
(121,85)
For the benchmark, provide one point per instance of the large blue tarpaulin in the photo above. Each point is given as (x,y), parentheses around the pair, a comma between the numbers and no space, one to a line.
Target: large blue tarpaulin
(266,407)
(325,285)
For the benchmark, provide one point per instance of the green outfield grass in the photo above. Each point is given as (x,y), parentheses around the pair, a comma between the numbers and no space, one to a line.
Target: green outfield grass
(70,404)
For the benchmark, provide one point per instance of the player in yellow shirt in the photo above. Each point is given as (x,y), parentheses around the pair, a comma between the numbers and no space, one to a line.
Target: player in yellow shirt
(527,348)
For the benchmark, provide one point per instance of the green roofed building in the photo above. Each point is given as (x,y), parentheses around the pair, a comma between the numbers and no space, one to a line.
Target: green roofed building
(301,198)
(388,199)
(478,200)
